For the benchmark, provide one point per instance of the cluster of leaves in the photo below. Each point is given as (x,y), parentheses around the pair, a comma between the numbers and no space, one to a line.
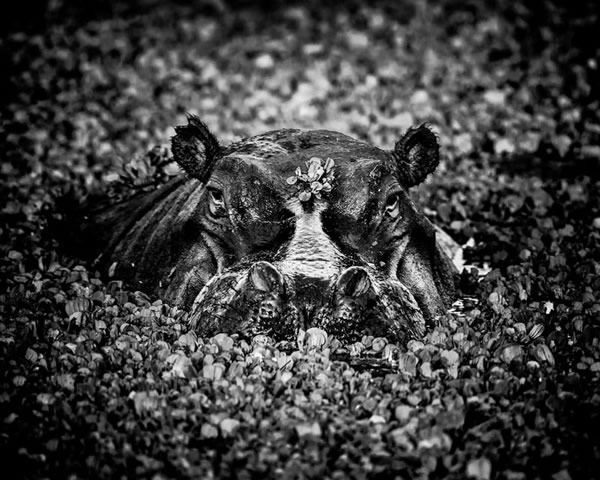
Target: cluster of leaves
(100,381)
(317,180)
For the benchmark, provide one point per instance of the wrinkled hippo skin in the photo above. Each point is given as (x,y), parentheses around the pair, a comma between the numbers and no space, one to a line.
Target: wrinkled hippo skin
(286,230)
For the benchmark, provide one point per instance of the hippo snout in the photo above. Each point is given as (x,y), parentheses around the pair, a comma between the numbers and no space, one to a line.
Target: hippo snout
(365,302)
(251,300)
(261,299)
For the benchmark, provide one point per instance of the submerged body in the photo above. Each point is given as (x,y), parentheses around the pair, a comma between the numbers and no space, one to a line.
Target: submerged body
(286,230)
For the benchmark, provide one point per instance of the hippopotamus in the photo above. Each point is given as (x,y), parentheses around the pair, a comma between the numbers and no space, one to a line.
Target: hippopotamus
(284,231)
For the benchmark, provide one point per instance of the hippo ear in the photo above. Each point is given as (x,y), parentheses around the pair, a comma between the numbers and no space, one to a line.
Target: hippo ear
(417,155)
(195,148)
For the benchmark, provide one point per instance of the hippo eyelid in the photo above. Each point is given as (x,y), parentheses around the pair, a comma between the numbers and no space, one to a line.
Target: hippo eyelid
(216,196)
(216,202)
(392,205)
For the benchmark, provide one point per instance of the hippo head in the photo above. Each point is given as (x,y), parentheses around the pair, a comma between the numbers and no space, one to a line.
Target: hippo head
(292,229)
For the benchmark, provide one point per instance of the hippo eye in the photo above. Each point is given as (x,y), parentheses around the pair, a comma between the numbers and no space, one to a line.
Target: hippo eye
(216,202)
(392,205)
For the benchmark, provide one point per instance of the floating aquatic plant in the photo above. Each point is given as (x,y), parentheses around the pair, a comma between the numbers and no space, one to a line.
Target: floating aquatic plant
(317,180)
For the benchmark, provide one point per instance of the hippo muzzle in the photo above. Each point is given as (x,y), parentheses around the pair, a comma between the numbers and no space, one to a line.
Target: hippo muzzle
(286,231)
(280,298)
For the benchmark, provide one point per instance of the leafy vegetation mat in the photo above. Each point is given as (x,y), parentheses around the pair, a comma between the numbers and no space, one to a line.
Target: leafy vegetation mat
(98,380)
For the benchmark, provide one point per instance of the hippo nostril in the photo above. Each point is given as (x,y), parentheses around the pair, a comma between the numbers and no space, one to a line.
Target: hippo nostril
(354,282)
(265,296)
(265,277)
